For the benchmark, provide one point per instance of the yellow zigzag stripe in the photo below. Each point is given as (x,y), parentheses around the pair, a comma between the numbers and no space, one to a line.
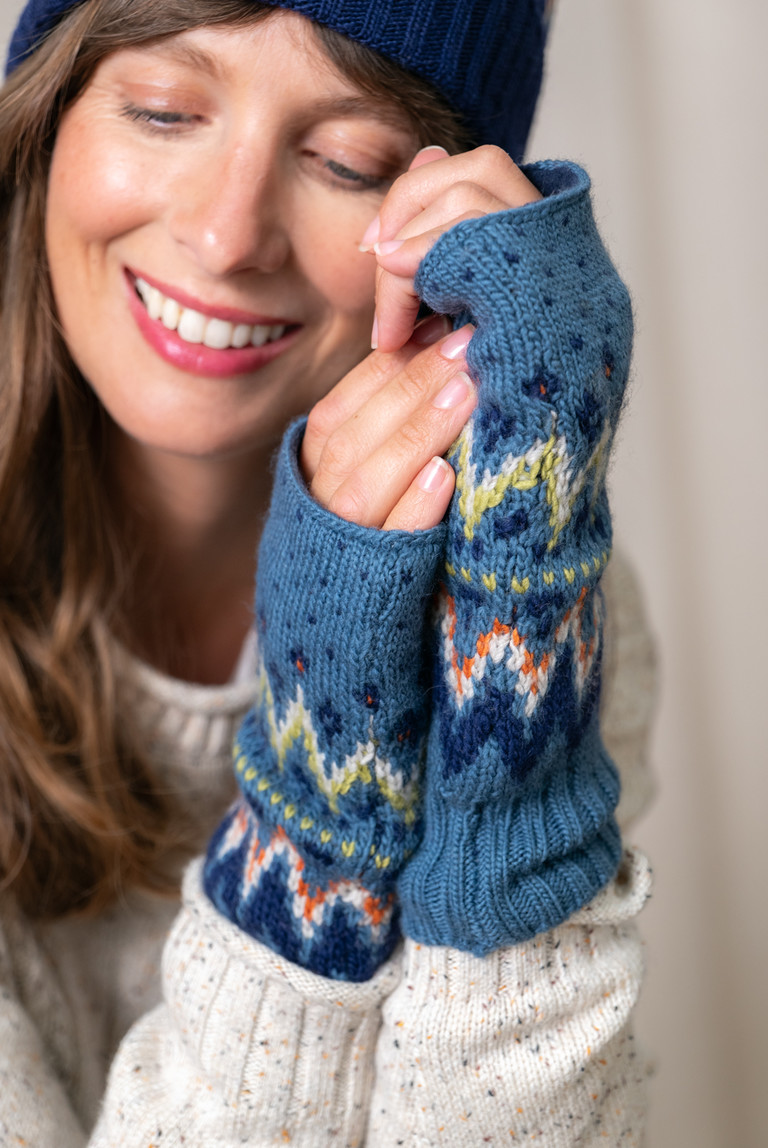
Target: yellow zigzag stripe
(297,726)
(544,462)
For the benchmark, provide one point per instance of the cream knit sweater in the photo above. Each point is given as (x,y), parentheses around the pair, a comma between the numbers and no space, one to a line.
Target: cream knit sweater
(154,1026)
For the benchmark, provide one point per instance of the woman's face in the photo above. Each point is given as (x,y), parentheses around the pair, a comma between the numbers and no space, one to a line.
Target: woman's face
(207,197)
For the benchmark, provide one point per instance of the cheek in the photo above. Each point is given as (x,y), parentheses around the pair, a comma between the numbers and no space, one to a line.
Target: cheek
(96,192)
(330,259)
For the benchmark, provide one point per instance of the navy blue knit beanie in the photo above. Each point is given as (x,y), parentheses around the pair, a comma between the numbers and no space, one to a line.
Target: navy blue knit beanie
(485,56)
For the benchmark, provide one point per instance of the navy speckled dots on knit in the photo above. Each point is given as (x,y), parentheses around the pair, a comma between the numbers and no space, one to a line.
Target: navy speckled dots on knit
(520,792)
(517,809)
(328,758)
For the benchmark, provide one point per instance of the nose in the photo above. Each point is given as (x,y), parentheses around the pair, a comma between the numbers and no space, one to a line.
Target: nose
(231,214)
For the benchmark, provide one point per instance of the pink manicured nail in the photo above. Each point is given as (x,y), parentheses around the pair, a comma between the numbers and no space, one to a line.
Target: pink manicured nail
(453,393)
(388,246)
(375,334)
(431,478)
(431,147)
(456,343)
(371,234)
(430,331)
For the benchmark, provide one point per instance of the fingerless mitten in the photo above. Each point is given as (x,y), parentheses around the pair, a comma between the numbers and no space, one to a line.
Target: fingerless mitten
(328,758)
(520,792)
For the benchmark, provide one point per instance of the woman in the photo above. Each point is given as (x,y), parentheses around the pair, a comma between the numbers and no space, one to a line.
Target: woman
(200,207)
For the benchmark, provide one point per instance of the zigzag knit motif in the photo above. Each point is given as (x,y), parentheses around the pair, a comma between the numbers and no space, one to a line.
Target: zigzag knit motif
(338,929)
(504,644)
(328,758)
(520,792)
(515,828)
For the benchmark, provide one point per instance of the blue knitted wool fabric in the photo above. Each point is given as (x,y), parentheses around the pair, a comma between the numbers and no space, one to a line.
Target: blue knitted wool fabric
(515,829)
(484,56)
(328,758)
(520,792)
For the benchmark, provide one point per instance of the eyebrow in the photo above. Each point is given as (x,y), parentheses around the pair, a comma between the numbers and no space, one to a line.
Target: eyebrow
(188,54)
(361,105)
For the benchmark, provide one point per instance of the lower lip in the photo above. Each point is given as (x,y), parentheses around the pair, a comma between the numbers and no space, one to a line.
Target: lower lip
(196,359)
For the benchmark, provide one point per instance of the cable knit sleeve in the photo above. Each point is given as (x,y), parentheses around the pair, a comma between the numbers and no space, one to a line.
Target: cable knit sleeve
(248,1048)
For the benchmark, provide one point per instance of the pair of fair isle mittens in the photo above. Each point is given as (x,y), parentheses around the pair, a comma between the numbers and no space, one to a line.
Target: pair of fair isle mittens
(423,754)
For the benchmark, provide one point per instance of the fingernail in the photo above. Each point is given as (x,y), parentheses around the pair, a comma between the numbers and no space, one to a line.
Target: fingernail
(431,147)
(388,246)
(430,330)
(456,343)
(431,478)
(453,393)
(371,234)
(375,334)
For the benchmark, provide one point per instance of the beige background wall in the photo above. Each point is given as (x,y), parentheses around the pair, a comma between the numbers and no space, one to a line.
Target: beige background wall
(665,103)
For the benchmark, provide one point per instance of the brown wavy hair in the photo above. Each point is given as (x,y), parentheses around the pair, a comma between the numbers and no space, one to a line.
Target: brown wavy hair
(80,814)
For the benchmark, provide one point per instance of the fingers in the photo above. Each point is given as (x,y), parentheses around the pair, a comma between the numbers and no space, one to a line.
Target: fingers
(360,384)
(426,499)
(432,173)
(397,303)
(371,468)
(435,193)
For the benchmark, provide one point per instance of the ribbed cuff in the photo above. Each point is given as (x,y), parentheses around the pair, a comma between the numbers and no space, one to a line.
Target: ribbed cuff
(463,888)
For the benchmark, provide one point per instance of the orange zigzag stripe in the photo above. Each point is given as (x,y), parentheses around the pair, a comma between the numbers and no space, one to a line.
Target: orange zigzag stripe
(529,668)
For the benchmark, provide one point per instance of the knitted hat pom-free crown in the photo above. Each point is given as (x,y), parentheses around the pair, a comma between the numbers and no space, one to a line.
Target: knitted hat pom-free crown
(484,56)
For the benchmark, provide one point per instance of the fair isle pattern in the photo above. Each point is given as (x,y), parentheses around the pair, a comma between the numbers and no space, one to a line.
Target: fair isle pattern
(365,766)
(547,462)
(328,758)
(503,643)
(519,790)
(310,903)
(337,928)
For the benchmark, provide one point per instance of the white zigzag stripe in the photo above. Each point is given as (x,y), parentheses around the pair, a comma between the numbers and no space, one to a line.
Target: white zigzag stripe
(547,462)
(532,679)
(364,764)
(306,909)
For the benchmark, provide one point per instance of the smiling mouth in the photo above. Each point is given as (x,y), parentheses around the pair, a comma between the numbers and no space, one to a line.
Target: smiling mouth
(196,328)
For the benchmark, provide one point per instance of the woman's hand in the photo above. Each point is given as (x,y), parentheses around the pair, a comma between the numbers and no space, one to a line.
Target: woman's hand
(373,446)
(437,192)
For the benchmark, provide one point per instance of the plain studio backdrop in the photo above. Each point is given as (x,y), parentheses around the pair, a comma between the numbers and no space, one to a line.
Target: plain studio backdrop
(665,104)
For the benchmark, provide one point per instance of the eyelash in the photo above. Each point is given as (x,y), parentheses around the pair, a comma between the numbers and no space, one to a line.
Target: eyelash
(355,179)
(163,123)
(157,121)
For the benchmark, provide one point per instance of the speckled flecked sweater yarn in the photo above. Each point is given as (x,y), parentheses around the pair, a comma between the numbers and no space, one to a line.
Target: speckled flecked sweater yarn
(233,1044)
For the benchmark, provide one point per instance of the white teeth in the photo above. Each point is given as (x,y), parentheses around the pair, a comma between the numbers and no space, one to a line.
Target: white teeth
(155,303)
(193,327)
(170,314)
(218,334)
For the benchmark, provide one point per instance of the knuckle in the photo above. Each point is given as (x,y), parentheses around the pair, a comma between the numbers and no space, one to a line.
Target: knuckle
(491,155)
(350,502)
(459,194)
(414,438)
(320,423)
(413,383)
(339,456)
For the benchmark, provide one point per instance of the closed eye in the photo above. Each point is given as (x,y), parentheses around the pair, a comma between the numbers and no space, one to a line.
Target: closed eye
(158,120)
